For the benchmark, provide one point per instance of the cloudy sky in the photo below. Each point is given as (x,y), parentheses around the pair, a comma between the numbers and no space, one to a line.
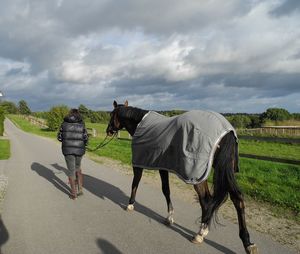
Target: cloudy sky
(227,56)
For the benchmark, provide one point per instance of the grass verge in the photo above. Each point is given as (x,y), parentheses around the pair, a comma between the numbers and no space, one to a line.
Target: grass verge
(4,149)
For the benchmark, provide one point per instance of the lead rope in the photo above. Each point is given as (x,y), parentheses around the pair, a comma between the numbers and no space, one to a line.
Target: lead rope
(103,143)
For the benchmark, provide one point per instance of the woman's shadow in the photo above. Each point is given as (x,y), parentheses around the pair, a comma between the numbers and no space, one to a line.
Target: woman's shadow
(4,235)
(49,175)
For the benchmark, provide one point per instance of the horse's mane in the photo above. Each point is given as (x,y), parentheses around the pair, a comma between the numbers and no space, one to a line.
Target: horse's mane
(135,114)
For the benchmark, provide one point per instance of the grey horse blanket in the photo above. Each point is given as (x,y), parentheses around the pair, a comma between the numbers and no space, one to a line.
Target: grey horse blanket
(183,144)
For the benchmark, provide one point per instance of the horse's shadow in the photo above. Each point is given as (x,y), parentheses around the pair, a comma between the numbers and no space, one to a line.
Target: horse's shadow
(106,190)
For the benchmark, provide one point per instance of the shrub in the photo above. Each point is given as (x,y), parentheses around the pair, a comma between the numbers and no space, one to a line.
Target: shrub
(240,121)
(1,121)
(56,116)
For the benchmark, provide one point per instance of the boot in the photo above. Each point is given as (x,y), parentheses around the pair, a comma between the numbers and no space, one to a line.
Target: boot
(73,194)
(79,177)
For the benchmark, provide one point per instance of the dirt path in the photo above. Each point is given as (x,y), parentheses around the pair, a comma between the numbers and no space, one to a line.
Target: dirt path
(259,215)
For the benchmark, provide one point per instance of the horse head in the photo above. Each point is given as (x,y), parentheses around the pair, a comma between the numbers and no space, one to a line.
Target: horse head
(115,123)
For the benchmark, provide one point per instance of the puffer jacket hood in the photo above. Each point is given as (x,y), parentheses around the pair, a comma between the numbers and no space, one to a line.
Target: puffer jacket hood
(73,119)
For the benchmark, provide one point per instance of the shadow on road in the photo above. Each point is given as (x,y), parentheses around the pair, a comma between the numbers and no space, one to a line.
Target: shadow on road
(219,247)
(49,175)
(104,190)
(4,236)
(106,247)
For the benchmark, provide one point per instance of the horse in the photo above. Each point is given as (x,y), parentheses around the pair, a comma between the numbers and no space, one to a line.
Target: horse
(224,161)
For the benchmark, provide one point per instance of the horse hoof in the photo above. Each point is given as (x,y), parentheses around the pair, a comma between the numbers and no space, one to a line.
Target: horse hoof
(252,249)
(197,239)
(169,221)
(130,208)
(204,231)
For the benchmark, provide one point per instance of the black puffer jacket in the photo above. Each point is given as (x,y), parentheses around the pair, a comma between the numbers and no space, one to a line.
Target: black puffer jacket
(73,136)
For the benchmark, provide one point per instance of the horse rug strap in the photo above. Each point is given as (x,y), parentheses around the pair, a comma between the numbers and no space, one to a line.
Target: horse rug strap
(183,144)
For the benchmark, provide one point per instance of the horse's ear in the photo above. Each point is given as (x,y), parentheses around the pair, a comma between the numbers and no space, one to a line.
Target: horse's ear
(115,104)
(126,103)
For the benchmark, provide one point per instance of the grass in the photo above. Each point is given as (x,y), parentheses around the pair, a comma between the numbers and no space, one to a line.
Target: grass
(4,149)
(271,149)
(28,127)
(275,183)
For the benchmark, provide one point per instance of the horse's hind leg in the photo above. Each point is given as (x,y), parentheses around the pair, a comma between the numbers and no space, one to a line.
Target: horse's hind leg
(237,199)
(204,198)
(137,175)
(164,175)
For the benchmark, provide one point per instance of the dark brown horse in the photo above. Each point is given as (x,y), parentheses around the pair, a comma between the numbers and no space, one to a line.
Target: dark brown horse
(225,164)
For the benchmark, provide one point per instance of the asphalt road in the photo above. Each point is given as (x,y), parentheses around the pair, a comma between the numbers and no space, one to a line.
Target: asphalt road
(38,217)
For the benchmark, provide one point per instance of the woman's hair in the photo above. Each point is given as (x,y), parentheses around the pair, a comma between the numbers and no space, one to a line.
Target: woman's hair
(74,112)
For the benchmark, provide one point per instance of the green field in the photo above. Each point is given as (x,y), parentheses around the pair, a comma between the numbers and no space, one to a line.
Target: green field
(270,149)
(275,183)
(4,149)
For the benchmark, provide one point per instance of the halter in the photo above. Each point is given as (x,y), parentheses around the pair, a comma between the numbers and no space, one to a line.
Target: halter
(112,125)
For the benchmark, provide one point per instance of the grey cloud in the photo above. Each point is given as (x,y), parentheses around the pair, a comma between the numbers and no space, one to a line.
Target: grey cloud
(287,7)
(164,17)
(14,71)
(173,53)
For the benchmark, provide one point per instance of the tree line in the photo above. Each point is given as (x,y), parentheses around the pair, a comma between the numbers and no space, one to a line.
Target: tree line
(55,115)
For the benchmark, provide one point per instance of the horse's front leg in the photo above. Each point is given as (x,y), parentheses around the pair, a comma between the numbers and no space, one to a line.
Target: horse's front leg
(137,175)
(164,175)
(204,198)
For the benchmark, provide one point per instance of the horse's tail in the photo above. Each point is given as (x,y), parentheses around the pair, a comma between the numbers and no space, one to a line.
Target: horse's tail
(225,165)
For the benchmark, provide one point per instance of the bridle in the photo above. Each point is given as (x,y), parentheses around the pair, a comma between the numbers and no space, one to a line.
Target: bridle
(114,125)
(112,129)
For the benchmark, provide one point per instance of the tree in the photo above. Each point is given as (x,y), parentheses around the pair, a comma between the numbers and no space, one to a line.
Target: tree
(23,108)
(255,121)
(9,107)
(296,116)
(84,111)
(275,114)
(99,116)
(56,116)
(240,121)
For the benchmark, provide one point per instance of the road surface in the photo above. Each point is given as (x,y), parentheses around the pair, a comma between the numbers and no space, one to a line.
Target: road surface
(39,218)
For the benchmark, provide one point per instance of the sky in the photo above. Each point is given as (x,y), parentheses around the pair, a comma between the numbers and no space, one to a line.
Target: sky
(227,56)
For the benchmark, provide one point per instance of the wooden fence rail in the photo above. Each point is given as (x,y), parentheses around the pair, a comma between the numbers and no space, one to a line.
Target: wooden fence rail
(36,121)
(273,130)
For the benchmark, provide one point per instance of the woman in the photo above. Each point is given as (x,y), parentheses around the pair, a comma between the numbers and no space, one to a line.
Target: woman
(74,138)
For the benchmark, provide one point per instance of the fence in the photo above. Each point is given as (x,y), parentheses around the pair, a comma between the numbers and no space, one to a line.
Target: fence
(42,124)
(273,131)
(92,132)
(36,121)
(123,134)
